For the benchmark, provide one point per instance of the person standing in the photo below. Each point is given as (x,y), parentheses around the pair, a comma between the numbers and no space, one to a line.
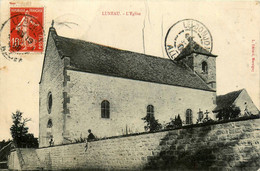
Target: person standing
(91,137)
(51,141)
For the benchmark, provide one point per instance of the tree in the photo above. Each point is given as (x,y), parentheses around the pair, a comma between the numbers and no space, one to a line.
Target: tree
(152,123)
(174,123)
(228,113)
(178,121)
(19,132)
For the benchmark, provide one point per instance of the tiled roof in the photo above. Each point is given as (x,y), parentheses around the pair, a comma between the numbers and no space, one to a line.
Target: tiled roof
(95,58)
(226,100)
(193,47)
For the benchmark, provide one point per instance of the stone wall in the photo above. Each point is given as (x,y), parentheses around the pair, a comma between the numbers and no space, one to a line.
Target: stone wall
(13,161)
(224,146)
(128,103)
(51,81)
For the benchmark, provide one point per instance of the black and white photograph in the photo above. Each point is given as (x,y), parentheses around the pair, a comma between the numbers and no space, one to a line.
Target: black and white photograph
(129,85)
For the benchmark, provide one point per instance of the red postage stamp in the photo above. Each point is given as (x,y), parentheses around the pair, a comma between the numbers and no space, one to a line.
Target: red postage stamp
(26,29)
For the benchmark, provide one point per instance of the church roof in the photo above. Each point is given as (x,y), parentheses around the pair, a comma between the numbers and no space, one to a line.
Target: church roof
(193,47)
(224,101)
(94,58)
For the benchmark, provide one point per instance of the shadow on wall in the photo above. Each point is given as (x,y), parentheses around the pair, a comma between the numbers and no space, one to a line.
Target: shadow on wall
(218,147)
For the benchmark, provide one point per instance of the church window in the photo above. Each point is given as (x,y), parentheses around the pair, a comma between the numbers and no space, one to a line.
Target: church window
(49,102)
(150,110)
(105,109)
(49,124)
(188,116)
(204,67)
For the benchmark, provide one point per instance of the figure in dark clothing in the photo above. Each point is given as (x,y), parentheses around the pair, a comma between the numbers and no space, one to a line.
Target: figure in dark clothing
(90,135)
(51,141)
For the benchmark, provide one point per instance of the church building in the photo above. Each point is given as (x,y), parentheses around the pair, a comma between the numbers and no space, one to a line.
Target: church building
(90,86)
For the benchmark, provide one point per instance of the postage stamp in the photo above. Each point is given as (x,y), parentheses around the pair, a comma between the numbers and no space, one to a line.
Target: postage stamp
(26,29)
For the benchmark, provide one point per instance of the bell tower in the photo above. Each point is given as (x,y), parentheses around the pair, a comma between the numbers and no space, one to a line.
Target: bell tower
(201,61)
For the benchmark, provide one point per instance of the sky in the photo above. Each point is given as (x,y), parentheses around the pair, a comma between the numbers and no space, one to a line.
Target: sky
(234,27)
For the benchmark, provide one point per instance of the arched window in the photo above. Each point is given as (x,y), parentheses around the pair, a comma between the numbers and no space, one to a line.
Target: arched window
(150,110)
(49,124)
(105,111)
(204,67)
(188,116)
(49,102)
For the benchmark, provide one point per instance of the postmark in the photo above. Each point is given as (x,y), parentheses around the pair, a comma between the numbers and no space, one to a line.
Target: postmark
(22,33)
(180,34)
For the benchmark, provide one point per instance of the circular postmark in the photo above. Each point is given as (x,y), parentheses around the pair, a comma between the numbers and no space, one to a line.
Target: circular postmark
(25,35)
(181,33)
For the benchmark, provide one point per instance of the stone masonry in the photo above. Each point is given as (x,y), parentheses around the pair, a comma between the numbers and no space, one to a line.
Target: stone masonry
(224,146)
(128,101)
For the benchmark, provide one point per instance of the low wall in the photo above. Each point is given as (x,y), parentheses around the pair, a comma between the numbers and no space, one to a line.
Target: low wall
(232,145)
(13,161)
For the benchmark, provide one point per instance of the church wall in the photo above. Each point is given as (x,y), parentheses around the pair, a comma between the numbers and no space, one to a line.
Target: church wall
(211,61)
(222,146)
(52,81)
(128,102)
(240,102)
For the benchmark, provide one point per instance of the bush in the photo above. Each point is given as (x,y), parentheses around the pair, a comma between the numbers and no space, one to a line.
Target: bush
(152,123)
(79,140)
(228,113)
(207,120)
(174,123)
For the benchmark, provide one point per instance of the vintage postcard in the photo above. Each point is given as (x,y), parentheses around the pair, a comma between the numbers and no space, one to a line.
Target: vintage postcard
(129,85)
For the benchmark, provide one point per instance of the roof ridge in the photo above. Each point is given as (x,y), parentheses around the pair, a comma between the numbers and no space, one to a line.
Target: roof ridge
(235,91)
(114,48)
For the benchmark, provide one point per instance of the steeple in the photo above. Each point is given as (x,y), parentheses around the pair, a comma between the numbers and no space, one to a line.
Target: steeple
(193,47)
(201,61)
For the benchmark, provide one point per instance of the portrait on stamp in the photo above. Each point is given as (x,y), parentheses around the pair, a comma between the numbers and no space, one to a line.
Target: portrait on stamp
(26,29)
